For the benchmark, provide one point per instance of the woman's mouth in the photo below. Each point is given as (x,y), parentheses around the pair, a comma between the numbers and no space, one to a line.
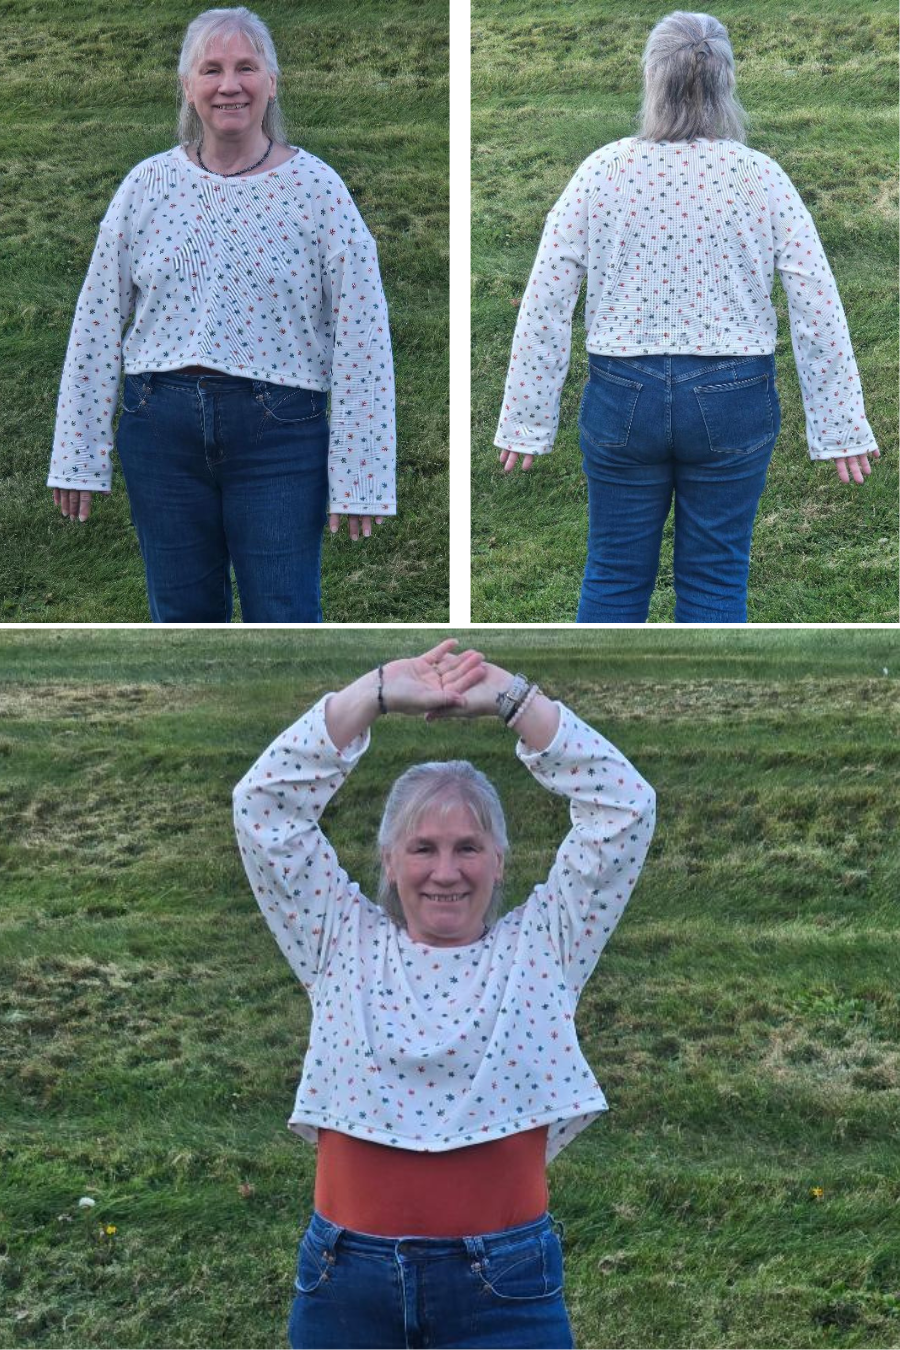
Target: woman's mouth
(445,899)
(230,107)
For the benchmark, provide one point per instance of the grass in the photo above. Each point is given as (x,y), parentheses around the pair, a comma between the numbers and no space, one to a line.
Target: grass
(89,92)
(551,82)
(744,1020)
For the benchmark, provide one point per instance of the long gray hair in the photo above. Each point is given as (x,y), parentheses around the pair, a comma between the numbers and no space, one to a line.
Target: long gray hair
(437,786)
(689,82)
(213,23)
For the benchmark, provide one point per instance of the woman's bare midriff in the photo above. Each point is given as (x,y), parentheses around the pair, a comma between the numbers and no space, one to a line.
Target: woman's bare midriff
(393,1192)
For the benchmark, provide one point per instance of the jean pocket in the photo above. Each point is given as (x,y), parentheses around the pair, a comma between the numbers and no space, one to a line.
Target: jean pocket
(740,416)
(607,409)
(135,393)
(286,405)
(314,1265)
(525,1271)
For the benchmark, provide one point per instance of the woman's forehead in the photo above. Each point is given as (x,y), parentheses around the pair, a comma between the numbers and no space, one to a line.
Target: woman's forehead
(450,816)
(228,45)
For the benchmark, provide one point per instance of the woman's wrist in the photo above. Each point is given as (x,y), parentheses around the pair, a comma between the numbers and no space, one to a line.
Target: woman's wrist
(352,710)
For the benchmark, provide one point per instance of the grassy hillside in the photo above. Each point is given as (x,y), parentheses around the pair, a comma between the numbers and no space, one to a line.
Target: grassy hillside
(551,83)
(89,92)
(744,1020)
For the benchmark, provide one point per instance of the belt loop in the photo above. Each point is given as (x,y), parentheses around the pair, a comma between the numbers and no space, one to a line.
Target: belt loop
(559,1227)
(475,1251)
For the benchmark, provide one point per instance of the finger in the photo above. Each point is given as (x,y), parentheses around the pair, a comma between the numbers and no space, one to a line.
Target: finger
(855,471)
(367,526)
(84,509)
(841,466)
(353,527)
(334,523)
(511,458)
(379,520)
(434,656)
(527,463)
(864,464)
(469,670)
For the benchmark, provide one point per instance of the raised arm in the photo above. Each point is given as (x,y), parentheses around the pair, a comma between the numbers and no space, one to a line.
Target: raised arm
(298,883)
(612,810)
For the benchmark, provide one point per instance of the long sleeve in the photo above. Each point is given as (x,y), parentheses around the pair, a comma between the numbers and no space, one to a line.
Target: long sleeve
(362,451)
(298,883)
(829,380)
(89,390)
(613,812)
(542,342)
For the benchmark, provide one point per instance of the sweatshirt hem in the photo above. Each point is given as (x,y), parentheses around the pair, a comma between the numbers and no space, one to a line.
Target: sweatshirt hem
(308,1125)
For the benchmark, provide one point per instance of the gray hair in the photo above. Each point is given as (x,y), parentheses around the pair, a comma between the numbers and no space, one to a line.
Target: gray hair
(213,23)
(439,784)
(689,82)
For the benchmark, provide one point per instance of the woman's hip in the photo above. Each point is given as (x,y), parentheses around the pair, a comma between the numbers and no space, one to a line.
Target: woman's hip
(491,1289)
(650,411)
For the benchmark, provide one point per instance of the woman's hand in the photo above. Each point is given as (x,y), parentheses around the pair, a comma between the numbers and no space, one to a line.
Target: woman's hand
(74,503)
(508,460)
(354,524)
(410,685)
(855,467)
(440,678)
(480,696)
(537,725)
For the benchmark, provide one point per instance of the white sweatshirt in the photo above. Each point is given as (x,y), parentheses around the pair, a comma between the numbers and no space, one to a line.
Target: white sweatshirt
(434,1048)
(272,277)
(679,242)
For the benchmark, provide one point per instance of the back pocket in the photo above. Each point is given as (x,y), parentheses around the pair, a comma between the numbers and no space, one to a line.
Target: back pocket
(607,409)
(739,415)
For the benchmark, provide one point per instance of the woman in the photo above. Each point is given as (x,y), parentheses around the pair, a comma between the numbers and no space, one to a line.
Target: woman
(255,290)
(678,230)
(443,1068)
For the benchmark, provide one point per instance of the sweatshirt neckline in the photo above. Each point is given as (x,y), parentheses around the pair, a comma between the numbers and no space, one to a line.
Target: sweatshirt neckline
(184,159)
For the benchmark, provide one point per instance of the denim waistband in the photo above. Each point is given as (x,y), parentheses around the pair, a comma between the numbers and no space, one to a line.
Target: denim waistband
(331,1233)
(674,366)
(214,378)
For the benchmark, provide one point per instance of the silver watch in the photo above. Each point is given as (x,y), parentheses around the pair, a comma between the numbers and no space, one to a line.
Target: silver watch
(509,700)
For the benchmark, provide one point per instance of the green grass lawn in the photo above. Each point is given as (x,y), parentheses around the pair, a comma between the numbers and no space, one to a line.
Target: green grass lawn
(551,82)
(744,1020)
(89,92)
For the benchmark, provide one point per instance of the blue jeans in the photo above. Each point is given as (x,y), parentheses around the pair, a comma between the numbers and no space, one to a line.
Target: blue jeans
(224,471)
(500,1289)
(700,427)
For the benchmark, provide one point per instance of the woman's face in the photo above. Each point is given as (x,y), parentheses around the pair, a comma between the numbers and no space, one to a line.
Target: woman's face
(231,72)
(445,875)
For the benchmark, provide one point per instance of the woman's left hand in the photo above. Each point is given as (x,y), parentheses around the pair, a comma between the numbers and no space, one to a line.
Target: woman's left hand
(855,467)
(354,524)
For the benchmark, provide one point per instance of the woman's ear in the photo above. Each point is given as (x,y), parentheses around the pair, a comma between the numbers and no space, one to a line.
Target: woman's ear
(386,866)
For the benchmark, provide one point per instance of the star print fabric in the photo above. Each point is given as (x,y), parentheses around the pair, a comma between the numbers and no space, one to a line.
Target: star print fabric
(434,1048)
(679,243)
(272,277)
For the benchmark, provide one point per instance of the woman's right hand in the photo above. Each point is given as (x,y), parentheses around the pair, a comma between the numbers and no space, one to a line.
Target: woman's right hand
(74,503)
(508,460)
(439,678)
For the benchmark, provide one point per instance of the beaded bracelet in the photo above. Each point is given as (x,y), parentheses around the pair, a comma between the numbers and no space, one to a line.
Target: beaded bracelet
(524,705)
(382,708)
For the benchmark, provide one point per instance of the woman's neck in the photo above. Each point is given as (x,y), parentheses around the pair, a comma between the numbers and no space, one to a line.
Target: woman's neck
(226,155)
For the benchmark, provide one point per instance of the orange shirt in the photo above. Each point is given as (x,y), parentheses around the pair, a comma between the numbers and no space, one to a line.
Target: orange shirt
(395,1192)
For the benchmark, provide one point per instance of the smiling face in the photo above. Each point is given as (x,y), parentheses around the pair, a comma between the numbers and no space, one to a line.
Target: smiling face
(230,88)
(445,873)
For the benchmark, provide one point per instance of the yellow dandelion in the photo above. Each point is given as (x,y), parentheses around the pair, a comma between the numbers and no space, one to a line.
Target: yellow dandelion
(110,1229)
(817,1192)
